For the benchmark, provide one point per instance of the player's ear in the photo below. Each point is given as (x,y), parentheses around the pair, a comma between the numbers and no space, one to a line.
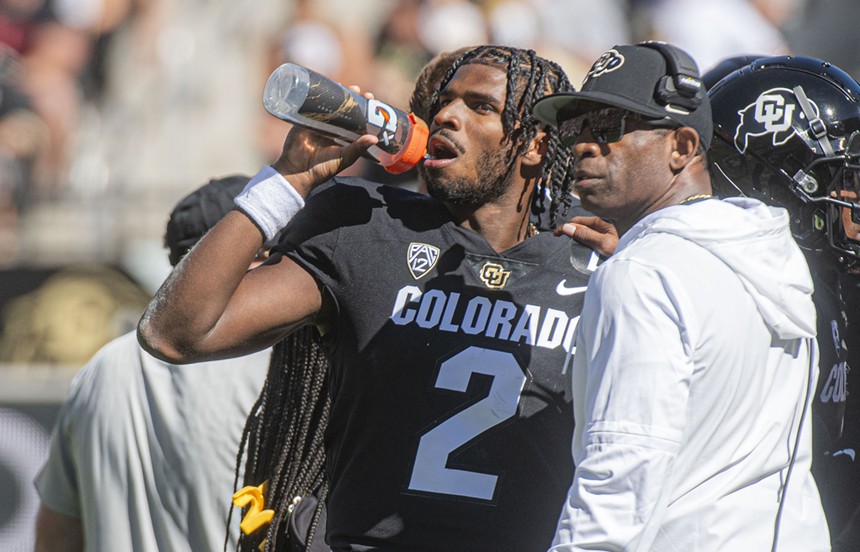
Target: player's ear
(537,149)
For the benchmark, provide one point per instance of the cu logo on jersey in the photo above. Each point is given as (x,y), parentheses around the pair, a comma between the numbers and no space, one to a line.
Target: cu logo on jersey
(421,258)
(608,62)
(494,275)
(773,114)
(383,116)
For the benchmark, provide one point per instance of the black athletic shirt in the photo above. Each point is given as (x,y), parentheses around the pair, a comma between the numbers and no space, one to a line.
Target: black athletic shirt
(834,435)
(451,421)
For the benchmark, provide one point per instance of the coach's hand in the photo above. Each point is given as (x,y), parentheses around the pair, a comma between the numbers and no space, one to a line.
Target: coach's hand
(593,232)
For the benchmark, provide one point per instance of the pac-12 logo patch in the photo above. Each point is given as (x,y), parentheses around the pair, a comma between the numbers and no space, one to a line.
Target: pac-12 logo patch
(421,258)
(608,62)
(774,113)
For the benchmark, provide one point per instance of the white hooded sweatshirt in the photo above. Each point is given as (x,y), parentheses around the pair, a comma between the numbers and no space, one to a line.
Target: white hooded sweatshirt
(694,357)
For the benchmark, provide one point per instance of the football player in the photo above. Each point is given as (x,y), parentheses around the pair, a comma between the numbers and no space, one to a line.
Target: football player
(449,319)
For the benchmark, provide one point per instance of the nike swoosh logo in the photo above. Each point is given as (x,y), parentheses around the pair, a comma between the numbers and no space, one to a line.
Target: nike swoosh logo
(561,289)
(847,452)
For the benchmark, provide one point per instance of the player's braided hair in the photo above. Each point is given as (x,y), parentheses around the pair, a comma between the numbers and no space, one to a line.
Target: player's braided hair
(530,77)
(282,443)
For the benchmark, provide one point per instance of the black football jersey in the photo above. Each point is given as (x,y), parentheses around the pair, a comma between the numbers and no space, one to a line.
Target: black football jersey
(831,391)
(834,435)
(451,421)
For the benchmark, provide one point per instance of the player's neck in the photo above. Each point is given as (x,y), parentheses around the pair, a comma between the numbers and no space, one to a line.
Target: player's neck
(502,223)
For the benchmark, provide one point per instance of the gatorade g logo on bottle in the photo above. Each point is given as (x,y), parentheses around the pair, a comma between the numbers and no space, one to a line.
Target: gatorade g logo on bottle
(305,98)
(383,116)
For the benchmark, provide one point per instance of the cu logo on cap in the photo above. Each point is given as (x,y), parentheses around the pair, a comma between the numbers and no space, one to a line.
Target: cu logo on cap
(608,62)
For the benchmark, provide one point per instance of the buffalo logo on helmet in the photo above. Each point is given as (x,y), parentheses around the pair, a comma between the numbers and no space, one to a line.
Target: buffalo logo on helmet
(773,114)
(421,258)
(608,62)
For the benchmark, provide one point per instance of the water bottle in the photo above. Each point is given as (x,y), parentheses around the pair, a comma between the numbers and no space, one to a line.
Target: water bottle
(306,98)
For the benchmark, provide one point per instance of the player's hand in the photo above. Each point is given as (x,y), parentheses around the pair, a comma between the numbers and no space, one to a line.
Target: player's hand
(308,158)
(593,232)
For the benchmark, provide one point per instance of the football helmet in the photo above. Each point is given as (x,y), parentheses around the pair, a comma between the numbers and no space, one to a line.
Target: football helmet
(787,132)
(713,75)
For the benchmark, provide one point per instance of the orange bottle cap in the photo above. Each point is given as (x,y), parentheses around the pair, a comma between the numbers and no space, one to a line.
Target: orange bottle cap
(414,150)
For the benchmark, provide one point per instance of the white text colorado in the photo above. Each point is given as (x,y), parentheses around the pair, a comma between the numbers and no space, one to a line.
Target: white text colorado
(500,319)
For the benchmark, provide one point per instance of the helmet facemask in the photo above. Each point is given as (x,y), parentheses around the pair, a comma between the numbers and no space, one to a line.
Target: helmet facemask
(843,206)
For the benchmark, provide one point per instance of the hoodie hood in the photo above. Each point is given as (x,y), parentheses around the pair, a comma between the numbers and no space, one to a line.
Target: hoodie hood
(754,240)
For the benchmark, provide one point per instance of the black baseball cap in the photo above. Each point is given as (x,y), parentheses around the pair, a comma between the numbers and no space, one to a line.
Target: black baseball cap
(654,79)
(199,211)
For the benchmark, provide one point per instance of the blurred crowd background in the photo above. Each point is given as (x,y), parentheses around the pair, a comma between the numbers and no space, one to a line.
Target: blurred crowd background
(112,110)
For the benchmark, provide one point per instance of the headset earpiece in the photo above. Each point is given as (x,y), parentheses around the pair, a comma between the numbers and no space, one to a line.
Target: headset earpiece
(683,86)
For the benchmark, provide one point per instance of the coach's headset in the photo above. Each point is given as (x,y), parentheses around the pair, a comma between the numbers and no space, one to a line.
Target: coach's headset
(682,86)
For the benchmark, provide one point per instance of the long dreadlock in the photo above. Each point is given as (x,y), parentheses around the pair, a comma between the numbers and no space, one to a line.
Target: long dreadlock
(283,435)
(530,77)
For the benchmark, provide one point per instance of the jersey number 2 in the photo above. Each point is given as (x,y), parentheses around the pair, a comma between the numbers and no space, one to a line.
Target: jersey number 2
(430,472)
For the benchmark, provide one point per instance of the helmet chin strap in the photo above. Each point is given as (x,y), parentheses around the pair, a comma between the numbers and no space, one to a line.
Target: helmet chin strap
(816,125)
(818,129)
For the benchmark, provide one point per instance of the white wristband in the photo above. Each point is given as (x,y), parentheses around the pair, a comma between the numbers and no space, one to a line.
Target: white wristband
(270,201)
